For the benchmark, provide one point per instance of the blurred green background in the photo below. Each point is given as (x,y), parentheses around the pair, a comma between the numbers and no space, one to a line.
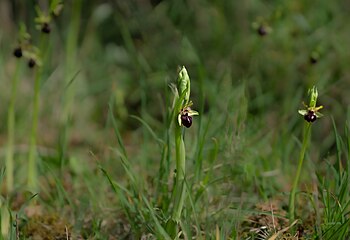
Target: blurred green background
(131,49)
(247,86)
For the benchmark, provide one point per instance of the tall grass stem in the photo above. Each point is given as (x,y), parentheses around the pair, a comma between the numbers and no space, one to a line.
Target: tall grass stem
(32,158)
(306,138)
(11,130)
(180,190)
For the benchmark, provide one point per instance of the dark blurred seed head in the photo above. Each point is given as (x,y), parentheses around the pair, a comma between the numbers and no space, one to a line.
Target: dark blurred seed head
(313,60)
(262,31)
(45,28)
(31,63)
(155,2)
(314,57)
(18,52)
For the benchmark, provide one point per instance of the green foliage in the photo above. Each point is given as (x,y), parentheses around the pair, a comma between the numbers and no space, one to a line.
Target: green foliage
(335,197)
(99,98)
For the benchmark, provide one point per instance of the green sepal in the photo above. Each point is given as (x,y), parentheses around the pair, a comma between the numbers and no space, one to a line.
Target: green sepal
(318,115)
(179,119)
(303,112)
(192,113)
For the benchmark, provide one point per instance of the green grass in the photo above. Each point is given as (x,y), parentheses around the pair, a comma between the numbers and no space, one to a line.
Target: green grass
(104,148)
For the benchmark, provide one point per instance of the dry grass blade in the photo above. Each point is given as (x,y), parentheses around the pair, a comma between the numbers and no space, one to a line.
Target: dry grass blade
(282,231)
(67,234)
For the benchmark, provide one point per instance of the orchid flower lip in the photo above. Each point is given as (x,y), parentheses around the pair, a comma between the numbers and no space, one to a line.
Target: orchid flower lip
(185,115)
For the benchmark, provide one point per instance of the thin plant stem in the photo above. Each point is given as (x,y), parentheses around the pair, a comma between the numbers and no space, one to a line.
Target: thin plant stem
(180,190)
(32,158)
(11,130)
(306,138)
(32,167)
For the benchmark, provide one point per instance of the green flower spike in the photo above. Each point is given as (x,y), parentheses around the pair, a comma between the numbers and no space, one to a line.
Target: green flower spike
(184,85)
(311,112)
(185,114)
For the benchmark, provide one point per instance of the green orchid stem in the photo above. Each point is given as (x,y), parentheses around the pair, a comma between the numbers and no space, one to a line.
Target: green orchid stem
(11,130)
(180,190)
(32,162)
(32,158)
(182,101)
(306,138)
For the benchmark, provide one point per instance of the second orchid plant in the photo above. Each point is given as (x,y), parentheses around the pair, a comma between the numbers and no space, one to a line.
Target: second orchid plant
(310,114)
